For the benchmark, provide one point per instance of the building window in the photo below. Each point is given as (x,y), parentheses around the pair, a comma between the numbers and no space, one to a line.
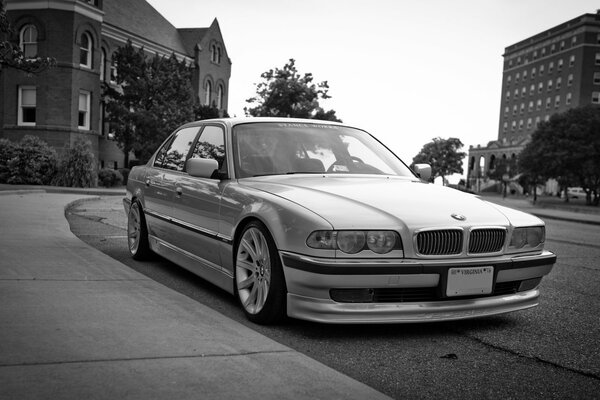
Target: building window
(520,124)
(568,99)
(524,75)
(558,83)
(531,90)
(551,67)
(529,122)
(553,48)
(598,38)
(516,94)
(515,109)
(540,87)
(597,58)
(27,106)
(522,108)
(571,61)
(28,41)
(560,65)
(548,103)
(596,97)
(549,86)
(530,106)
(220,92)
(508,80)
(85,51)
(83,121)
(505,127)
(102,65)
(535,54)
(506,111)
(114,71)
(207,92)
(570,80)
(537,121)
(507,95)
(596,78)
(547,118)
(573,40)
(523,91)
(517,77)
(543,51)
(538,105)
(513,126)
(562,45)
(533,71)
(557,101)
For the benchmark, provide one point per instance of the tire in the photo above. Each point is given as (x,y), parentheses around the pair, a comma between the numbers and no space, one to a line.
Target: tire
(137,233)
(259,281)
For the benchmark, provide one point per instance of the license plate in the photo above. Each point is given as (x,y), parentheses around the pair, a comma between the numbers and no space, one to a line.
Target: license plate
(469,281)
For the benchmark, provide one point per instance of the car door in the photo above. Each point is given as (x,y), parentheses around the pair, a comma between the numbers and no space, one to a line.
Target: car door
(197,202)
(161,180)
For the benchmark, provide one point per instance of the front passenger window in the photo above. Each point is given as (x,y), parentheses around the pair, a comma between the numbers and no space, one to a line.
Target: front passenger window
(212,145)
(174,154)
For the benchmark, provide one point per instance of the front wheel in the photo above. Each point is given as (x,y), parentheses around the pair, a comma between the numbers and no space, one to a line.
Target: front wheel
(137,233)
(260,285)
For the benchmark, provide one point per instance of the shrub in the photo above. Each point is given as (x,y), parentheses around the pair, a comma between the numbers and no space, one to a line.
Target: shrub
(7,151)
(78,167)
(31,161)
(125,173)
(110,177)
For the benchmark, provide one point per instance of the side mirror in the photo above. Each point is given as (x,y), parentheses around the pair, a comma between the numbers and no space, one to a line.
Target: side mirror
(423,171)
(201,167)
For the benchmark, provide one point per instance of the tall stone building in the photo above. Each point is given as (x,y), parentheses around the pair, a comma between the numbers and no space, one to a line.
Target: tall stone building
(548,73)
(64,103)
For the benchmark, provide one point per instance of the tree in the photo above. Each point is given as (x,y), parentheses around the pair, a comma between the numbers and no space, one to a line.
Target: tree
(503,170)
(154,96)
(11,54)
(567,148)
(286,93)
(443,155)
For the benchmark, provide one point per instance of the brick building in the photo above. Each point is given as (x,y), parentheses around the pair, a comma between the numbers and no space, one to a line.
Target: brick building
(545,74)
(63,103)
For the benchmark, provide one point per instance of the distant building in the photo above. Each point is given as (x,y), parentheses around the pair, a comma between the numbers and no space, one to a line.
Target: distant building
(64,103)
(548,73)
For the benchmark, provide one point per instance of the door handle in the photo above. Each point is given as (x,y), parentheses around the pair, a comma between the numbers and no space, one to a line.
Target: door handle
(179,191)
(148,182)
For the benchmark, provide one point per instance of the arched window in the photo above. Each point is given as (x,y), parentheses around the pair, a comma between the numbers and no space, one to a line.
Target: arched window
(220,92)
(85,51)
(28,41)
(492,162)
(102,65)
(208,90)
(213,53)
(218,55)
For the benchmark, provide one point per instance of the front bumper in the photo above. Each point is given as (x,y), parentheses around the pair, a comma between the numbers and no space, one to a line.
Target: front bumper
(309,281)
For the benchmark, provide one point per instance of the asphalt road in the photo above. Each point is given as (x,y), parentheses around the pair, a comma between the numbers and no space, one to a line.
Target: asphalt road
(548,352)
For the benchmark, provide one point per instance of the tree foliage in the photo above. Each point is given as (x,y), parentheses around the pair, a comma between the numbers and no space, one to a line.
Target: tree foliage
(154,96)
(443,155)
(286,93)
(11,55)
(567,148)
(78,166)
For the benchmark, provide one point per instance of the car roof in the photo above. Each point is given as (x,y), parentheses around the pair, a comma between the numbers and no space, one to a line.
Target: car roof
(245,120)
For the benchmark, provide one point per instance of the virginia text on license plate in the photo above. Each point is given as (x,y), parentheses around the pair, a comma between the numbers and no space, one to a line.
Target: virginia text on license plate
(469,281)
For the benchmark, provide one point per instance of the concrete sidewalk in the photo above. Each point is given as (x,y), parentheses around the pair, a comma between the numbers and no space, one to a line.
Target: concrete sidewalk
(76,324)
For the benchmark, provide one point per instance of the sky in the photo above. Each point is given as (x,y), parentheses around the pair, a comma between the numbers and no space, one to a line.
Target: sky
(406,71)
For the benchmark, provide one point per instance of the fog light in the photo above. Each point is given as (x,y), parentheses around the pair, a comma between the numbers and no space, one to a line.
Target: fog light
(352,295)
(529,284)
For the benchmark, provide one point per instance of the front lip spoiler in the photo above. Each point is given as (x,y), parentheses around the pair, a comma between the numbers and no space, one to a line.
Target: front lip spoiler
(328,266)
(324,311)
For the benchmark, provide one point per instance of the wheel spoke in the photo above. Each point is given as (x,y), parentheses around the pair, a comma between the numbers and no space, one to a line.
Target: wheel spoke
(246,283)
(247,246)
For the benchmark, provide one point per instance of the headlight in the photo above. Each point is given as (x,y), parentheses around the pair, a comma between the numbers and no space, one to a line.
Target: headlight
(352,242)
(381,242)
(530,237)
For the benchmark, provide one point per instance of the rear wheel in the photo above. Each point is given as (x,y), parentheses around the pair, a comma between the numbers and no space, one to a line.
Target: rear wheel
(137,233)
(260,285)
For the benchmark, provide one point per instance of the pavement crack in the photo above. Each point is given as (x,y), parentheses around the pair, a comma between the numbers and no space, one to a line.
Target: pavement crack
(130,359)
(532,358)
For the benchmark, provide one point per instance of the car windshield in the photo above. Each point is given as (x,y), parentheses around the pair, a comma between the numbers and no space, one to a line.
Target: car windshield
(276,148)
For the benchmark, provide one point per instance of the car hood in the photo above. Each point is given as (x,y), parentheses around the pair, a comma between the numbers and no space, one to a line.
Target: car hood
(375,202)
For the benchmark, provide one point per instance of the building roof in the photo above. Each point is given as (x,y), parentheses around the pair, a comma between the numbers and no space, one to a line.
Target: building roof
(139,18)
(192,37)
